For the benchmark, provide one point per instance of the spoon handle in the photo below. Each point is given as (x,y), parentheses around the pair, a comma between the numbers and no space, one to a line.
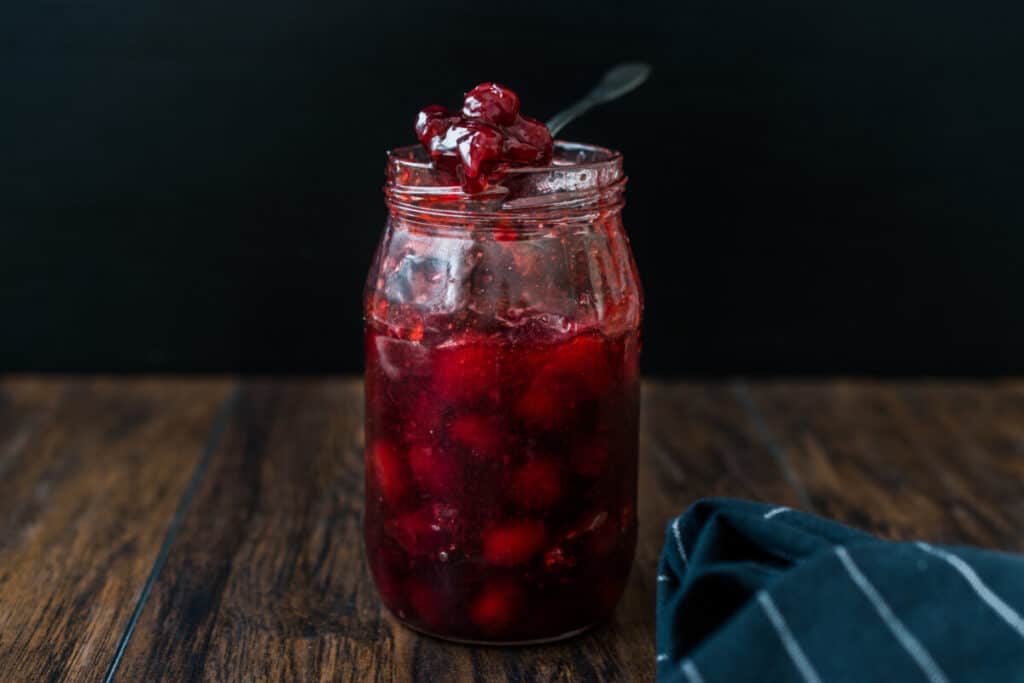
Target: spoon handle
(616,82)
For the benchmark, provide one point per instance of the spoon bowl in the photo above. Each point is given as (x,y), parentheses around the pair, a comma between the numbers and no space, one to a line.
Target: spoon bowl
(617,81)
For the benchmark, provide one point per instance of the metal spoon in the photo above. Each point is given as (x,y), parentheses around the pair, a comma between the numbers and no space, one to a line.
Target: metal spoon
(616,83)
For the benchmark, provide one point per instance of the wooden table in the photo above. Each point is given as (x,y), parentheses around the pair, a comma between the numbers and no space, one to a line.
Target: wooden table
(186,529)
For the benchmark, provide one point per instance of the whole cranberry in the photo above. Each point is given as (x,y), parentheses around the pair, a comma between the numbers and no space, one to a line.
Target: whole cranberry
(537,485)
(492,103)
(478,145)
(528,141)
(513,541)
(432,122)
(481,434)
(389,470)
(466,372)
(435,470)
(426,531)
(498,605)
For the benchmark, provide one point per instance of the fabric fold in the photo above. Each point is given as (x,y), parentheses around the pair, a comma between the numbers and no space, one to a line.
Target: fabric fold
(754,592)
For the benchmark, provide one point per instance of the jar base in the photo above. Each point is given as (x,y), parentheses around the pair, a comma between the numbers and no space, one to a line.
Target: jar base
(498,643)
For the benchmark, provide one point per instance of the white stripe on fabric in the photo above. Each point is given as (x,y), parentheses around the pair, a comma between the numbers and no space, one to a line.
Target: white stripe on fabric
(661,658)
(679,541)
(691,672)
(1007,613)
(664,578)
(911,644)
(796,653)
(776,511)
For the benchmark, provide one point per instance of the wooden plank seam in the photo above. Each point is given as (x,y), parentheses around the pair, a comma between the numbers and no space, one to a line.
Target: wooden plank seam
(217,430)
(742,394)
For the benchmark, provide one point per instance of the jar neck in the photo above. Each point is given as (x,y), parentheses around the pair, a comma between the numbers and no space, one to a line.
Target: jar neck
(496,214)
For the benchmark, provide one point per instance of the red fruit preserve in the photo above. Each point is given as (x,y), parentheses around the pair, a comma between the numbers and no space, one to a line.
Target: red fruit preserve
(502,336)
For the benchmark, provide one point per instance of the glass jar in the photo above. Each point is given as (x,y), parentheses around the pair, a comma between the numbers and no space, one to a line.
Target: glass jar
(502,337)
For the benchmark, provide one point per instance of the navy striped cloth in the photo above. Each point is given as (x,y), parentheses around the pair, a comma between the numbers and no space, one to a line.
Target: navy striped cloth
(751,592)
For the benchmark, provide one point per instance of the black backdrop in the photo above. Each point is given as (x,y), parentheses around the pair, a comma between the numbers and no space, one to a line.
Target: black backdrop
(815,187)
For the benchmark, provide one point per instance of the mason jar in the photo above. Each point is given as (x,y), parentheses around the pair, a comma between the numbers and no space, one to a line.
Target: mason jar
(502,392)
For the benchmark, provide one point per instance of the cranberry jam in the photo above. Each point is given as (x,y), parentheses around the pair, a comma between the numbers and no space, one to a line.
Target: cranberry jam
(502,337)
(487,136)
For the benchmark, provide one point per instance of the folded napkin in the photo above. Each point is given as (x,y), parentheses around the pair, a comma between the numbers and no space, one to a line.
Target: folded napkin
(751,592)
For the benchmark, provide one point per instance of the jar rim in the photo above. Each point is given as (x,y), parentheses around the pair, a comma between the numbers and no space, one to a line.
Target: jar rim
(415,157)
(580,176)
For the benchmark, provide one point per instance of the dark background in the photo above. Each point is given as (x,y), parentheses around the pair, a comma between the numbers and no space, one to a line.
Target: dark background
(815,187)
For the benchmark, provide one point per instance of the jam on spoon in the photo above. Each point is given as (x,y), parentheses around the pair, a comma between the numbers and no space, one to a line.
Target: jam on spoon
(488,136)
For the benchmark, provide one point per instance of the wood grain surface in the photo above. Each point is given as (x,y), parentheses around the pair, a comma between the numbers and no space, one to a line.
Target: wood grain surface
(212,529)
(90,475)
